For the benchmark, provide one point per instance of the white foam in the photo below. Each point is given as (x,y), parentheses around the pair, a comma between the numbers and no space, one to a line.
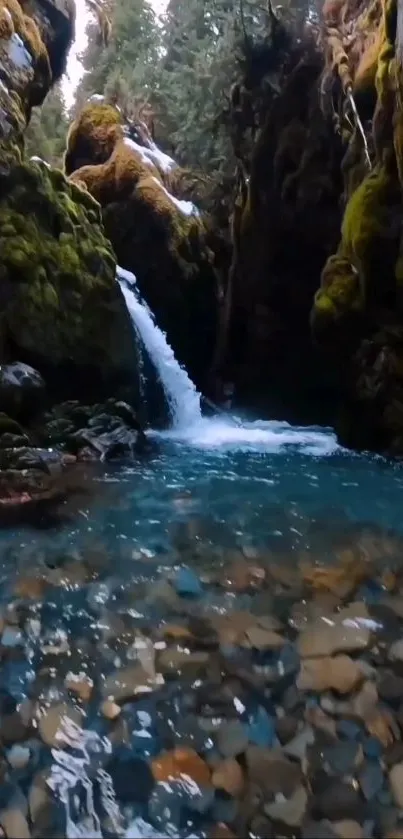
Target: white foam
(216,432)
(139,829)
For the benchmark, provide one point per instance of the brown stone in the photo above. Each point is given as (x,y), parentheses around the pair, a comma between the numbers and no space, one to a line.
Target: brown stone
(229,776)
(82,686)
(179,763)
(339,673)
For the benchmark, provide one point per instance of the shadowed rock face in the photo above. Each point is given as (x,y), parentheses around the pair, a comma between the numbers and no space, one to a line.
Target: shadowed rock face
(61,309)
(34,42)
(317,308)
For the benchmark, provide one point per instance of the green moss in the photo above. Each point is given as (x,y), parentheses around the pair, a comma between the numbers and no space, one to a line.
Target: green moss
(62,301)
(92,136)
(166,248)
(339,294)
(362,272)
(365,219)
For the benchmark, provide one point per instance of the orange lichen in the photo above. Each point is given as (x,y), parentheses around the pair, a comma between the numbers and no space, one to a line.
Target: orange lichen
(14,20)
(115,179)
(92,136)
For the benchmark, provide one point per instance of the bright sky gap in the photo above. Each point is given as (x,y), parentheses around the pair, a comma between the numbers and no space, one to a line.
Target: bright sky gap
(74,66)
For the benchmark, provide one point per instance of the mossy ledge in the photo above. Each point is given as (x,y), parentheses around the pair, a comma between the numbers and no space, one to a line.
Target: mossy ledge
(61,308)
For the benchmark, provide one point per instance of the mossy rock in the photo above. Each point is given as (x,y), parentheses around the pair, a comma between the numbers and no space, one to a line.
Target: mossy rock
(164,243)
(92,136)
(60,305)
(363,274)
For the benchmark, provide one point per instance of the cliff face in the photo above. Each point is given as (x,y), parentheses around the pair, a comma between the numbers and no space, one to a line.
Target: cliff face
(61,308)
(316,309)
(60,305)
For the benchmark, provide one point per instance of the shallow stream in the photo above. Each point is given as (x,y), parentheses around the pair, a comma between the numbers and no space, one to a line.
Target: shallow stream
(166,611)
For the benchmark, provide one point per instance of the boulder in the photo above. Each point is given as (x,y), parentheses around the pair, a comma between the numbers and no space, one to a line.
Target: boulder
(62,309)
(157,235)
(22,390)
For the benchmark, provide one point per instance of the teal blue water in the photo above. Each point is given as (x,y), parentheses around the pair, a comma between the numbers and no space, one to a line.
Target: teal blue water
(228,494)
(269,491)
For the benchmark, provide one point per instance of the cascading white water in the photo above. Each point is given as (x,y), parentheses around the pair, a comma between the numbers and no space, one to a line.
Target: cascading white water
(181,394)
(188,424)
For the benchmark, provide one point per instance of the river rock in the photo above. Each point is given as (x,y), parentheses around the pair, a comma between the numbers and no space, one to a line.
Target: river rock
(232,738)
(22,389)
(52,722)
(396,783)
(175,661)
(263,639)
(110,710)
(179,763)
(128,682)
(347,631)
(18,757)
(395,652)
(340,800)
(340,673)
(348,829)
(272,771)
(14,824)
(289,811)
(229,776)
(297,747)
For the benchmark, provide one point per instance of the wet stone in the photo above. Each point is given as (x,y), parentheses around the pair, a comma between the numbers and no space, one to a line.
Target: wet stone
(13,728)
(128,682)
(14,824)
(318,830)
(289,811)
(228,776)
(390,687)
(345,631)
(343,757)
(18,757)
(287,728)
(371,779)
(297,747)
(339,801)
(261,728)
(11,637)
(339,673)
(132,779)
(270,770)
(232,738)
(187,584)
(348,829)
(55,720)
(396,783)
(190,664)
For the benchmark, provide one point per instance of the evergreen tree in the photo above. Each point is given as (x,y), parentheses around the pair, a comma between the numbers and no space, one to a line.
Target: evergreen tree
(46,134)
(125,67)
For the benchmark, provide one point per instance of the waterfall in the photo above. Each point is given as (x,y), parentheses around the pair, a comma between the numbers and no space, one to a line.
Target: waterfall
(181,394)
